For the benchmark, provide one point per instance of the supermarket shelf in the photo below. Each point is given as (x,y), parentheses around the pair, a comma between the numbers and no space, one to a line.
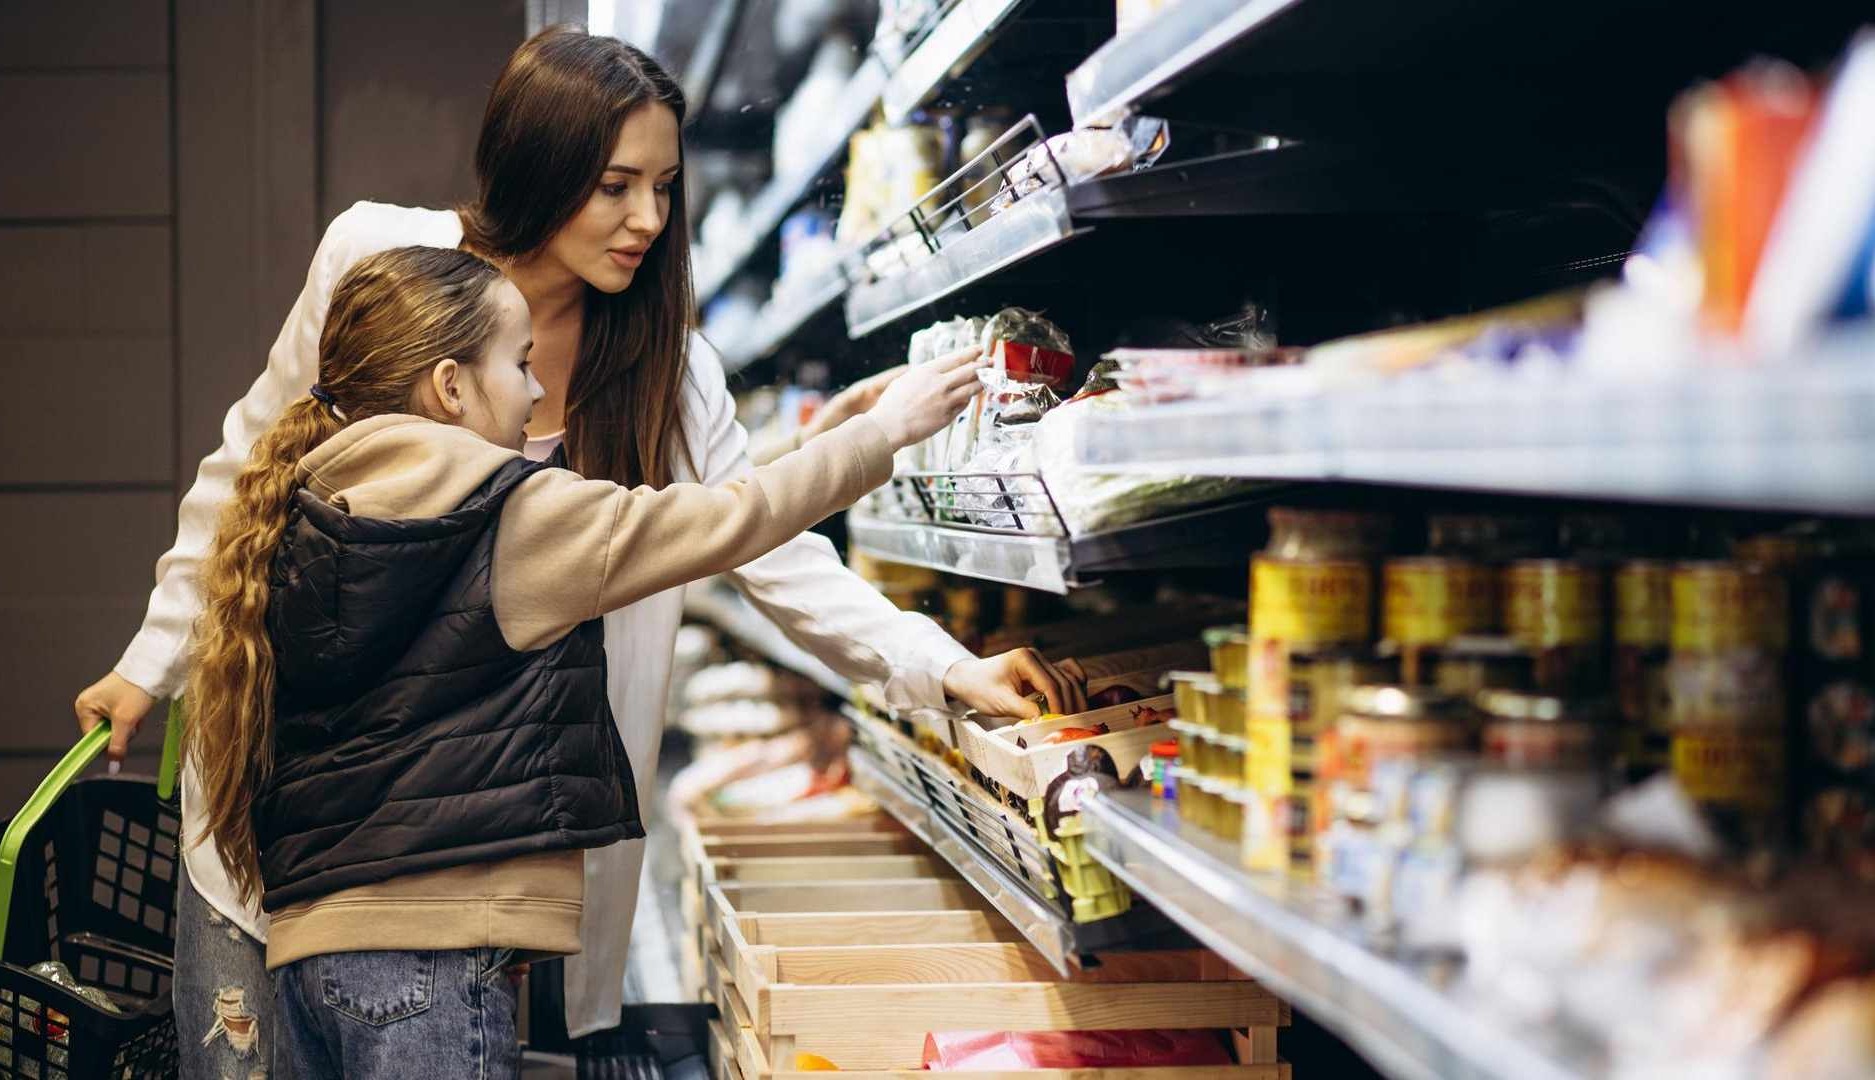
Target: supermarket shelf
(783,193)
(1065,943)
(951,47)
(779,321)
(730,612)
(1208,537)
(1783,437)
(1413,1018)
(1027,228)
(1175,43)
(1039,562)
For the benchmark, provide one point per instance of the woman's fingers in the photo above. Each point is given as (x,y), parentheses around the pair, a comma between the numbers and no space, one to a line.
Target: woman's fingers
(1064,697)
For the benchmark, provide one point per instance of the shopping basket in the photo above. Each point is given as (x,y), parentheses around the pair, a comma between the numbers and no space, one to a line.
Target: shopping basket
(88,876)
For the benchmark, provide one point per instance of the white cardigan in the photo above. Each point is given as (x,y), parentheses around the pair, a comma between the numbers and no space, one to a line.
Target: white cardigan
(802,586)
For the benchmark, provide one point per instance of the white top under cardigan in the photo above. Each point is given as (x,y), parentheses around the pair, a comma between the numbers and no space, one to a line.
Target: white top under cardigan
(802,586)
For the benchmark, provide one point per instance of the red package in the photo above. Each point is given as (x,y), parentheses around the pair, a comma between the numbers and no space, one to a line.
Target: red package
(946,1051)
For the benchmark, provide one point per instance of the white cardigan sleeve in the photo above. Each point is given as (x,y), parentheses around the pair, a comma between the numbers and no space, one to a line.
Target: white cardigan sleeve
(803,587)
(158,657)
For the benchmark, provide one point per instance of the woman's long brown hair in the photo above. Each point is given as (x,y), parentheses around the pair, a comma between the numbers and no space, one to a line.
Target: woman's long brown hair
(551,122)
(393,317)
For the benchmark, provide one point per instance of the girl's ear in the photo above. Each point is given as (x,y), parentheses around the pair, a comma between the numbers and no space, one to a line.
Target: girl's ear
(444,390)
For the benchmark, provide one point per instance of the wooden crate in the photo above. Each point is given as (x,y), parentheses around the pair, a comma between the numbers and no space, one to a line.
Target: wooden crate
(867,1006)
(810,869)
(1027,771)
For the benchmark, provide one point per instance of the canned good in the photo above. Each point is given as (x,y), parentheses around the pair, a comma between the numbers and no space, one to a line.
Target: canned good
(1182,781)
(1430,600)
(1190,695)
(1188,736)
(1228,710)
(1386,722)
(1643,628)
(1727,605)
(1327,534)
(1644,603)
(1304,602)
(1228,812)
(1555,609)
(1553,602)
(1427,601)
(1727,746)
(1733,771)
(1539,730)
(1230,655)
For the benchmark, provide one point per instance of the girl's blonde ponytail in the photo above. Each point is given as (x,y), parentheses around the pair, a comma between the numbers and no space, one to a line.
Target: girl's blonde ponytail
(230,694)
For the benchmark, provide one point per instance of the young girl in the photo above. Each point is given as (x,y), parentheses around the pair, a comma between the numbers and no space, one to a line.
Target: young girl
(399,717)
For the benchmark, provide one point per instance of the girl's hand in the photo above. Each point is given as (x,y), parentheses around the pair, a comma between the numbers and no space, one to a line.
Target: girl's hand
(1001,685)
(850,402)
(926,397)
(118,700)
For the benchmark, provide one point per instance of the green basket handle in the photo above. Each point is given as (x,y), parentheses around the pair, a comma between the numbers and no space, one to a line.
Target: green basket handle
(75,761)
(172,752)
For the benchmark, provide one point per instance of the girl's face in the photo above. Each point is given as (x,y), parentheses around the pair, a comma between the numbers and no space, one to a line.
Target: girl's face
(606,241)
(494,395)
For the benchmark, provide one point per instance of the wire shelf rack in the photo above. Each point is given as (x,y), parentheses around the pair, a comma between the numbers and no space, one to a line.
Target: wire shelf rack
(1005,204)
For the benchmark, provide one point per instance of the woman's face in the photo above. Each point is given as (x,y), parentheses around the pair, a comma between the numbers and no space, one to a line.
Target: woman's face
(605,242)
(497,393)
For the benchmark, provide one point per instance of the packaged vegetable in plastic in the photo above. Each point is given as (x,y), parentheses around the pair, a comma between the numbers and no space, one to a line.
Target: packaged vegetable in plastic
(1023,346)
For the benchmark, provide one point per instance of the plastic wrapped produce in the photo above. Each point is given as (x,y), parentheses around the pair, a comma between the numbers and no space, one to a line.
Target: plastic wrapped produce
(1091,501)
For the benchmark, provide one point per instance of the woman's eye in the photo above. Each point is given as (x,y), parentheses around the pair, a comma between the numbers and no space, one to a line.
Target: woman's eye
(614,190)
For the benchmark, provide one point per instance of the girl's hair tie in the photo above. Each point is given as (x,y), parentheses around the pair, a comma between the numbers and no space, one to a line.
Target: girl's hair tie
(322,395)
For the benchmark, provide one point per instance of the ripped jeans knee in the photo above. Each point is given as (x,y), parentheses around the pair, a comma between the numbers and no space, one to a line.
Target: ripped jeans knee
(222,995)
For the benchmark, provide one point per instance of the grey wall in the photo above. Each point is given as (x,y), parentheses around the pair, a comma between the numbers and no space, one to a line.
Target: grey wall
(169,165)
(403,88)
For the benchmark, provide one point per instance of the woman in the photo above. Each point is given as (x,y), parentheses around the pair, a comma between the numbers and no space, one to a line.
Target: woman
(580,204)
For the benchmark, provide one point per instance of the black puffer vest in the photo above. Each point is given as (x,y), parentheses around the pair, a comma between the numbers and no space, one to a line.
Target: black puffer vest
(408,735)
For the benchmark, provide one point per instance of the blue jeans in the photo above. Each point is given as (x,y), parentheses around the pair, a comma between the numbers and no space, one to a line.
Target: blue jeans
(357,1015)
(222,995)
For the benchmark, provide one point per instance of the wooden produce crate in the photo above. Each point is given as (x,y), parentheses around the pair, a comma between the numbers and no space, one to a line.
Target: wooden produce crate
(830,984)
(702,843)
(1026,772)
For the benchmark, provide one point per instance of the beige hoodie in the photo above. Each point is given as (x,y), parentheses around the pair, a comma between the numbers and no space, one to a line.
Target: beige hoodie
(566,550)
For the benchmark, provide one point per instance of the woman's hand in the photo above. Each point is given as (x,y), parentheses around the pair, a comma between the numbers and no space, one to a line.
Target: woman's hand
(1002,685)
(117,700)
(850,402)
(926,397)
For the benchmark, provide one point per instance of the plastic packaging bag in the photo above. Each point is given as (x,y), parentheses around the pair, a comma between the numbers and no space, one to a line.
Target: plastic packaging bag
(945,1051)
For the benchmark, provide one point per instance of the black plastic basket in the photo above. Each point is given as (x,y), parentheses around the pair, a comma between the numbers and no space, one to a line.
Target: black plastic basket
(88,876)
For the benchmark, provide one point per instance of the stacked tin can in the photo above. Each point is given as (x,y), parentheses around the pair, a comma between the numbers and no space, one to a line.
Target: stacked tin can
(1726,694)
(1643,634)
(1311,619)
